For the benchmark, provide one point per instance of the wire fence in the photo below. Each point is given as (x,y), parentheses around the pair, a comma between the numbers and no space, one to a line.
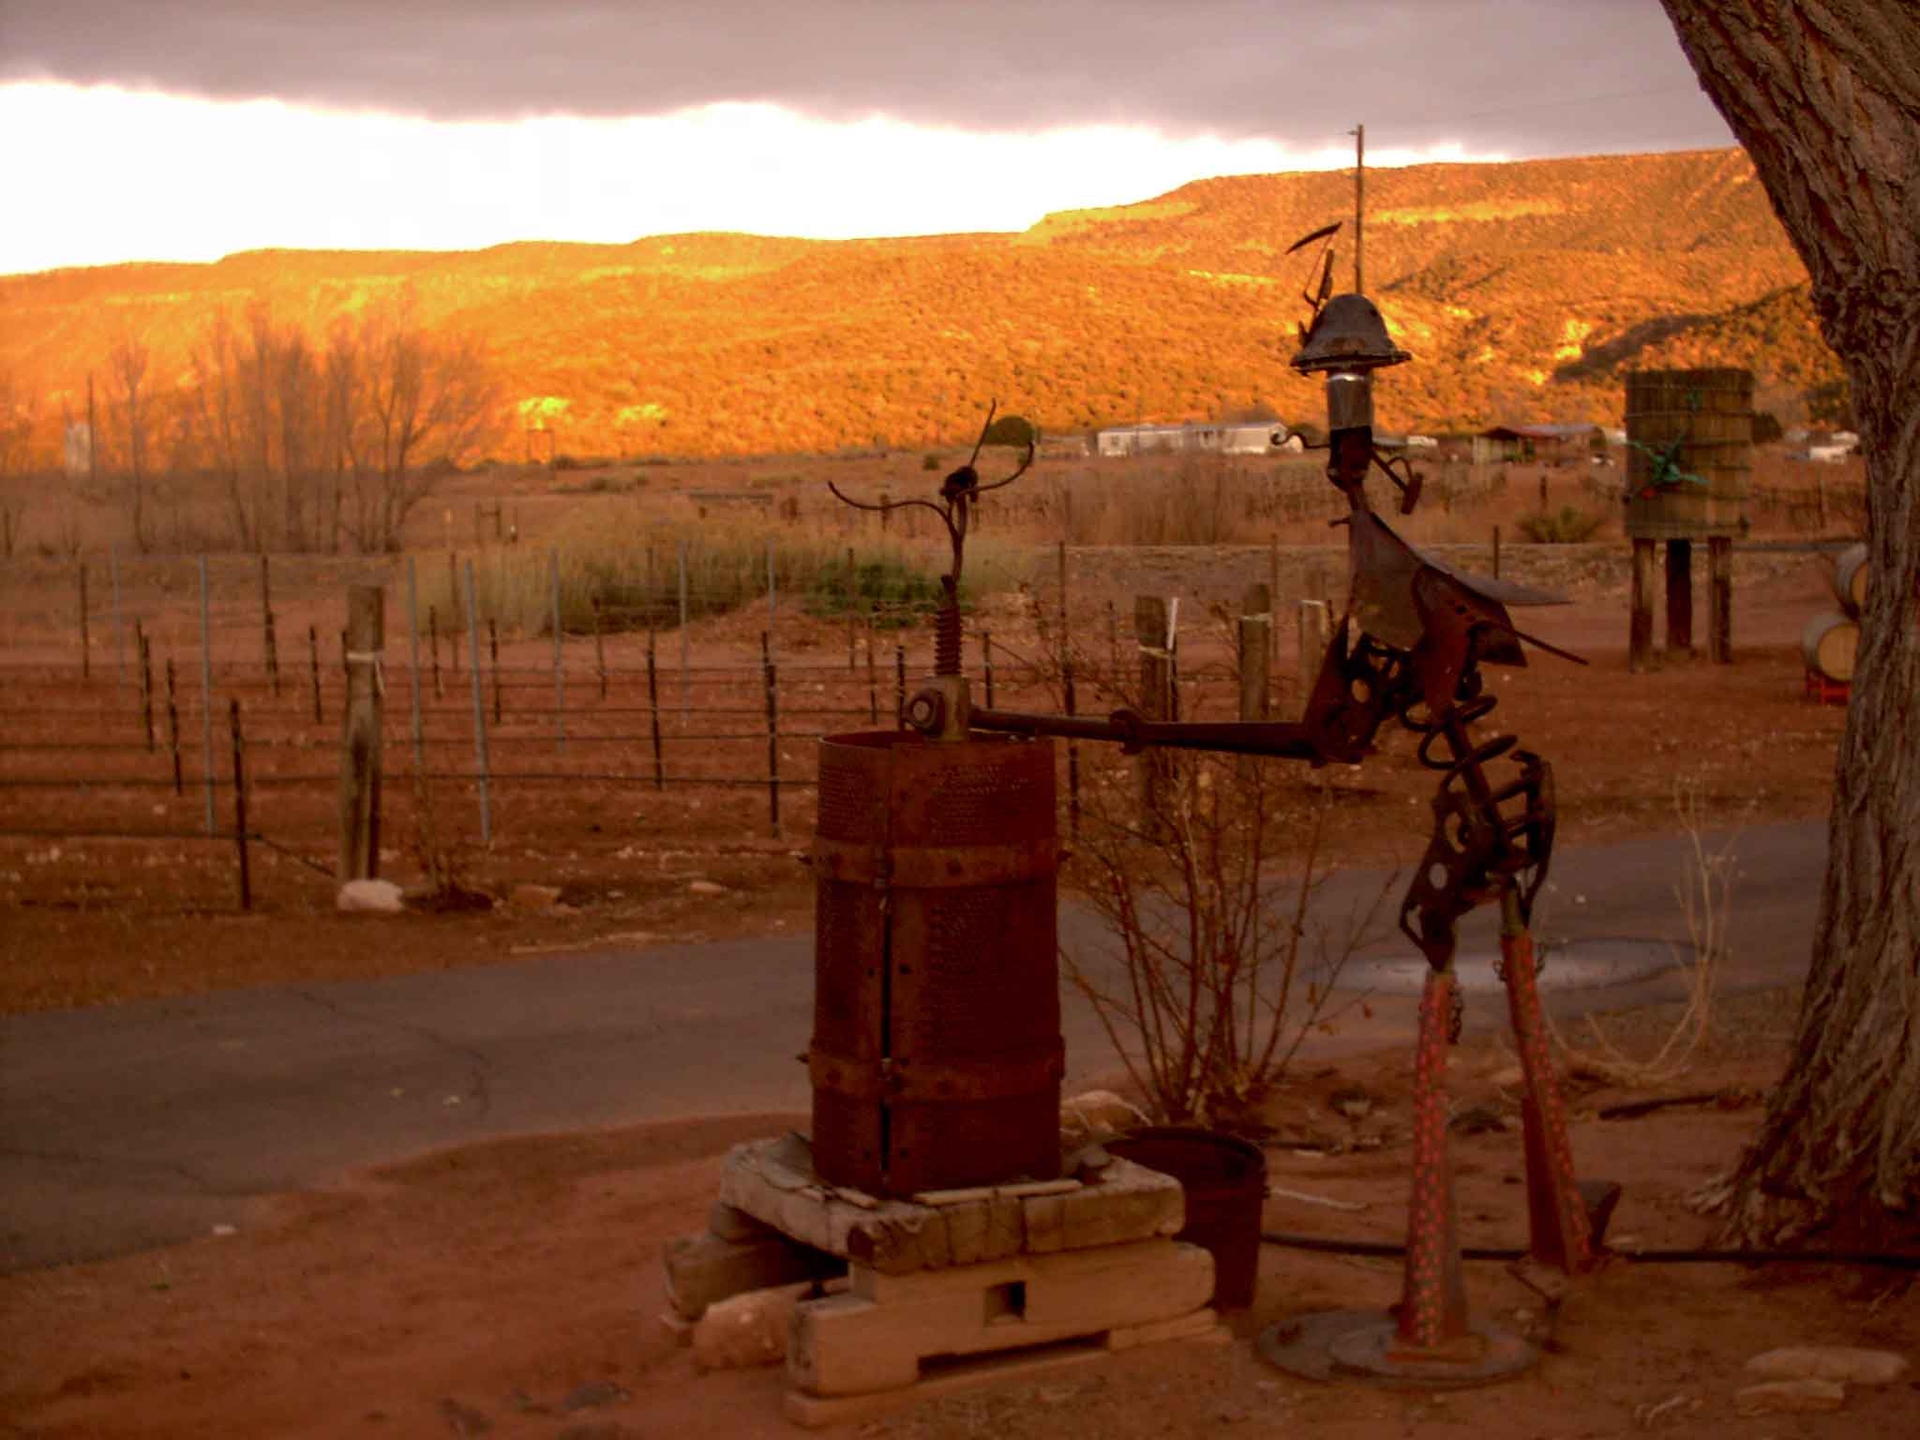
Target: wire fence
(201,699)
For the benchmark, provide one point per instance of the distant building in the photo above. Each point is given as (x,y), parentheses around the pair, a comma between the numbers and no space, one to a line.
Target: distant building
(1255,438)
(1522,444)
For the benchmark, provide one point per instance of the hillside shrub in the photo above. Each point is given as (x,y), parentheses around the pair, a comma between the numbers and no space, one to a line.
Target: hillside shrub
(1566,526)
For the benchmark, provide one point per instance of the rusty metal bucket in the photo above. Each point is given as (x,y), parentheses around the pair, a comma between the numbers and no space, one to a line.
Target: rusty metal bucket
(1225,1180)
(936,1054)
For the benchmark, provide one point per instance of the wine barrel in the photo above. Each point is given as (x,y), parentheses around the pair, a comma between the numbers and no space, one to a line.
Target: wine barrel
(1850,578)
(936,1054)
(1829,645)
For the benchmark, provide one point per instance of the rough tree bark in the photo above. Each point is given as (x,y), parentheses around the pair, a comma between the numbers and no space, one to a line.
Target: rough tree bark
(1825,96)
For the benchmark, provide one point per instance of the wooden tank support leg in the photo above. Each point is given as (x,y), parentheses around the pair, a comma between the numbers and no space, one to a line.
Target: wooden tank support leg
(1679,597)
(1720,600)
(1640,622)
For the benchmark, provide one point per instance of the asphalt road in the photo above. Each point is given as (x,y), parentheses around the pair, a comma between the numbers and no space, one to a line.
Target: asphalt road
(128,1127)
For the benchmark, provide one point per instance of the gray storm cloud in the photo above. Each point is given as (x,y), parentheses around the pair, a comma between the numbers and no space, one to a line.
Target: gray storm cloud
(1530,77)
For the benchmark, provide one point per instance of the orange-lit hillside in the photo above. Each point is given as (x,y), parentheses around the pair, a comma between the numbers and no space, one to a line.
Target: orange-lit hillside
(1523,290)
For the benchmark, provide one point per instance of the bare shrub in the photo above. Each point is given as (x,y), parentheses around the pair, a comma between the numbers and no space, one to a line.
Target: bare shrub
(1215,970)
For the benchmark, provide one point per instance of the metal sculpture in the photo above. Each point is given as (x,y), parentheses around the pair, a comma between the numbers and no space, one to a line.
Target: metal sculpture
(1410,648)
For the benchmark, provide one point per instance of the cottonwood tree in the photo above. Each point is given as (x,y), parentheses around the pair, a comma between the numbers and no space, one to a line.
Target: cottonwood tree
(405,404)
(1825,96)
(127,378)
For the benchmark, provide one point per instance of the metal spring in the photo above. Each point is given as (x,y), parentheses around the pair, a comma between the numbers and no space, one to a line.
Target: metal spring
(946,639)
(1454,724)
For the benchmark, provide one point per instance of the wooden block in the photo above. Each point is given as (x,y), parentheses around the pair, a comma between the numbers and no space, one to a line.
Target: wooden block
(731,1224)
(813,1412)
(702,1269)
(887,1324)
(1201,1325)
(1132,1203)
(1046,1217)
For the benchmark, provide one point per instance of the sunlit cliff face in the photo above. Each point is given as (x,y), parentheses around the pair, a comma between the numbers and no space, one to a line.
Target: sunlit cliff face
(100,175)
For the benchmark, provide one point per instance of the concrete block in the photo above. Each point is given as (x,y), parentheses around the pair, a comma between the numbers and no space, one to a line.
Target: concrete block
(880,1331)
(747,1330)
(702,1269)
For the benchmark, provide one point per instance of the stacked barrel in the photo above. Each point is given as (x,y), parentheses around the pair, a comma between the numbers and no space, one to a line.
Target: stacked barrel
(1831,640)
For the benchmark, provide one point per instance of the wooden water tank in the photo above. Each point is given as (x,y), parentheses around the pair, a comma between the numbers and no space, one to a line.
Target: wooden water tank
(936,1054)
(1703,421)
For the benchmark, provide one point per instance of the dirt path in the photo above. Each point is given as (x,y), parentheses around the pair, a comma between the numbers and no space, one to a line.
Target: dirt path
(510,1289)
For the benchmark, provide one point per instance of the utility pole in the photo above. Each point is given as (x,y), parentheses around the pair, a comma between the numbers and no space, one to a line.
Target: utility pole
(1359,208)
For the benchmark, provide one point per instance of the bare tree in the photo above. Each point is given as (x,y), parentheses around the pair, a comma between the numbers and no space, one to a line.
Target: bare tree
(127,370)
(407,405)
(1825,96)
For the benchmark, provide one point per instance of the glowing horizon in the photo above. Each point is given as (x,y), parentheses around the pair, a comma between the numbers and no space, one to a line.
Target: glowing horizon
(281,176)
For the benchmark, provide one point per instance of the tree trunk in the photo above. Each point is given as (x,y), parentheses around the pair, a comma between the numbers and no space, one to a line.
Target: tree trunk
(1825,96)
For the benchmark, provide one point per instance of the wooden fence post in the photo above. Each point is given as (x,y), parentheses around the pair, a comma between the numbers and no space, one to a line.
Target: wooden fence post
(873,679)
(986,662)
(899,683)
(206,694)
(86,647)
(479,712)
(853,607)
(1640,609)
(1316,633)
(268,643)
(119,633)
(144,649)
(1156,701)
(1256,620)
(433,647)
(173,729)
(413,676)
(493,663)
(653,711)
(360,730)
(313,658)
(599,649)
(559,666)
(773,731)
(240,804)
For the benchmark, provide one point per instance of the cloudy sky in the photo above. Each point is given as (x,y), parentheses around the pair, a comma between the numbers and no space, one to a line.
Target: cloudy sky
(188,129)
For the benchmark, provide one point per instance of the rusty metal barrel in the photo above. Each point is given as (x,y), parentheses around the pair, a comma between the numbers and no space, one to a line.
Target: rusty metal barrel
(936,1055)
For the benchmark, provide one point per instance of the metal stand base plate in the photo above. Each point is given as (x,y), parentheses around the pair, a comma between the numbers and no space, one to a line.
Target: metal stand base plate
(1364,1345)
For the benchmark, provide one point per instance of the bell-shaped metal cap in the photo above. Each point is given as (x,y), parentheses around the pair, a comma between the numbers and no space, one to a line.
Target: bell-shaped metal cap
(1349,334)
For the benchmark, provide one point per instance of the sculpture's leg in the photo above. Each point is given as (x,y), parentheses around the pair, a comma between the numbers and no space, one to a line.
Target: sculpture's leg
(1558,1229)
(1433,1303)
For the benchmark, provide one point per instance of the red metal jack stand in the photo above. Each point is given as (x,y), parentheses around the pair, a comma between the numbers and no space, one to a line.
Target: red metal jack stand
(1429,1340)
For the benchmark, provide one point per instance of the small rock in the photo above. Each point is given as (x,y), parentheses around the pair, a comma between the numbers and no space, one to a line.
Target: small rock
(1507,1078)
(1352,1102)
(369,897)
(533,897)
(1790,1397)
(464,1420)
(1844,1364)
(705,887)
(591,1396)
(1483,1119)
(1099,1113)
(746,1330)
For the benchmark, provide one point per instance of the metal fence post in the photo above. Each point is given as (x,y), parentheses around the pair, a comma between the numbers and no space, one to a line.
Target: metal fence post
(206,691)
(413,666)
(684,682)
(240,804)
(119,634)
(559,665)
(479,712)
